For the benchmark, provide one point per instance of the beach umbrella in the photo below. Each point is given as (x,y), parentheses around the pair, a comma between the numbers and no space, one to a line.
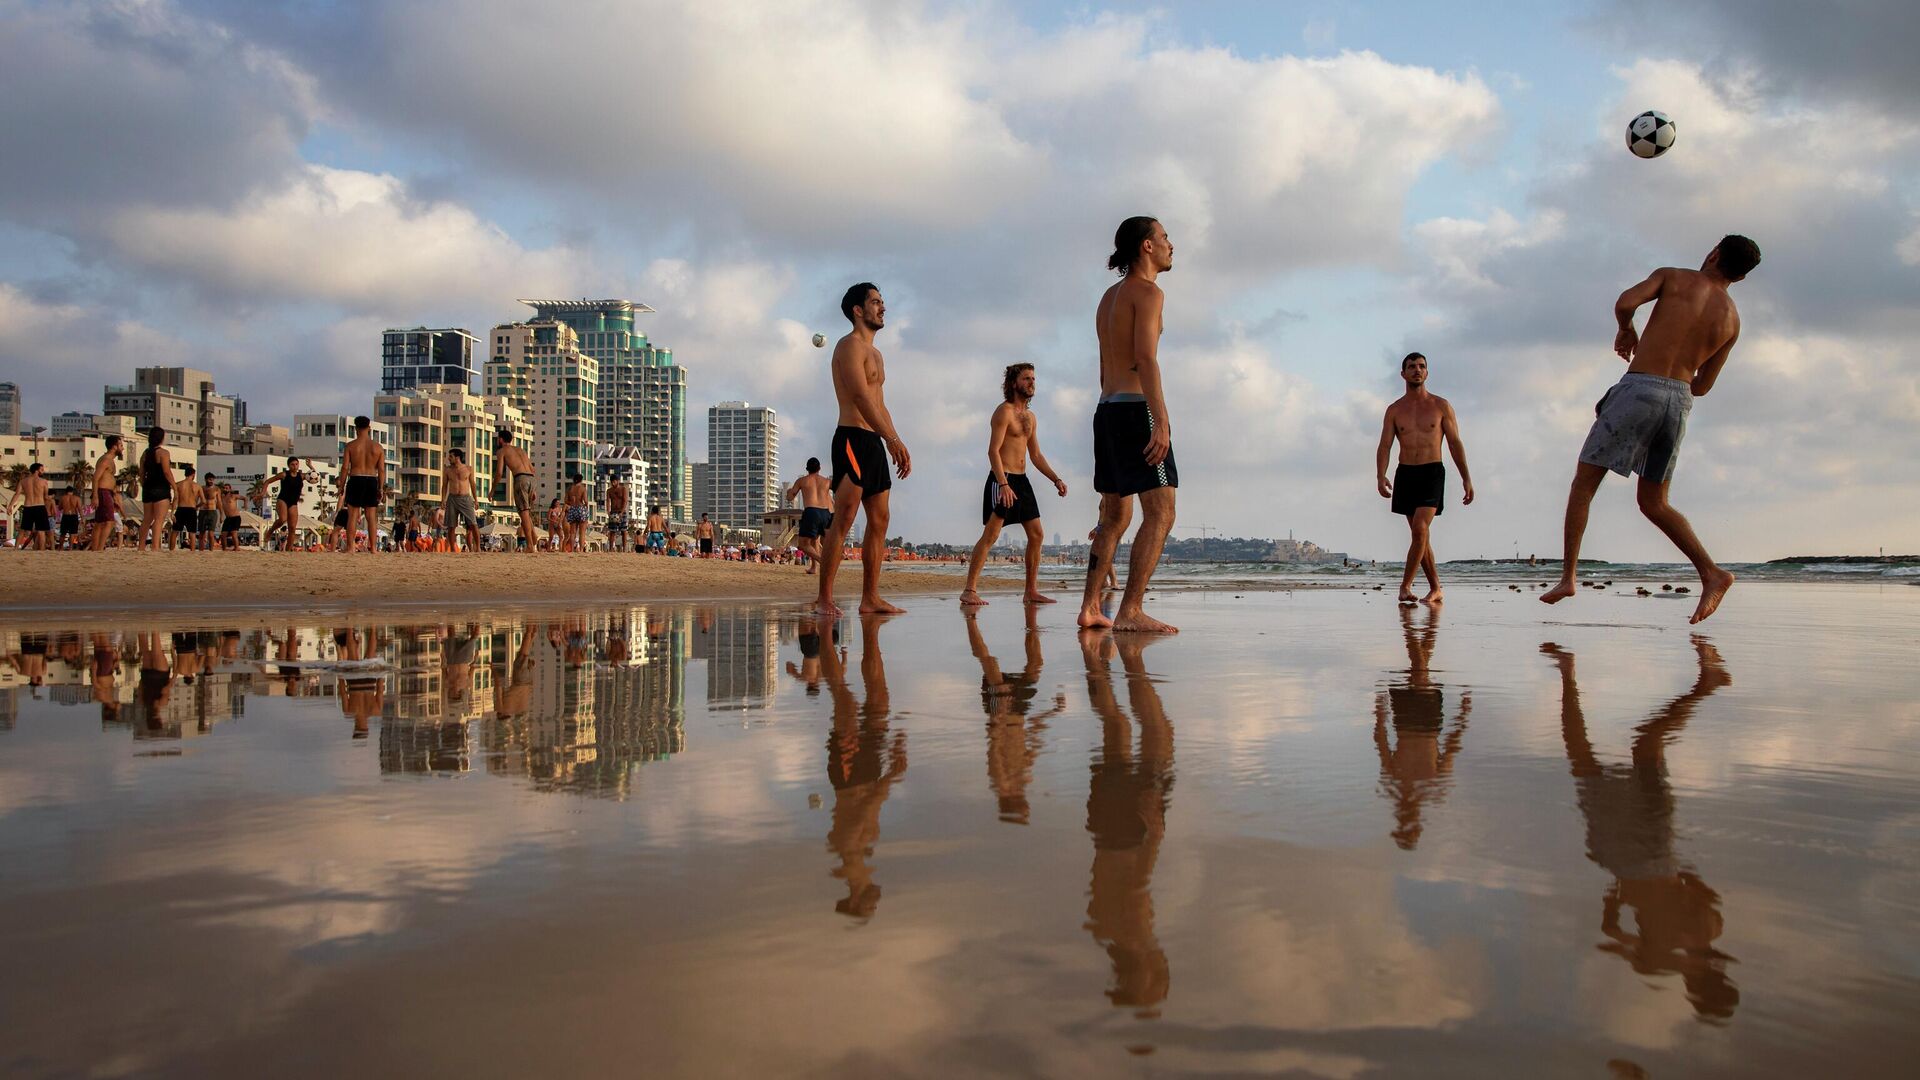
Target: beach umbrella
(250,520)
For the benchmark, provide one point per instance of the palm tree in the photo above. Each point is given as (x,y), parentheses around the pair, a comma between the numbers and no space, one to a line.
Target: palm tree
(16,475)
(128,478)
(80,477)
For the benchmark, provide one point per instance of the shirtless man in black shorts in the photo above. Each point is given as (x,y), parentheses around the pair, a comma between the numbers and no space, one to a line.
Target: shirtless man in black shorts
(1639,423)
(816,511)
(862,444)
(36,525)
(1132,433)
(1419,486)
(366,469)
(1009,500)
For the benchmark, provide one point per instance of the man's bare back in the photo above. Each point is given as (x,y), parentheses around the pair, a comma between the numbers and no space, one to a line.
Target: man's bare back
(1694,324)
(813,491)
(366,457)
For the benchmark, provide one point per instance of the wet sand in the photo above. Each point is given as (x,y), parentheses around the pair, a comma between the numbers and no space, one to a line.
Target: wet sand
(144,579)
(1315,834)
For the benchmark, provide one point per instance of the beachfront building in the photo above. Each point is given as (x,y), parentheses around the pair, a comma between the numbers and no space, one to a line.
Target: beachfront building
(183,401)
(59,454)
(419,439)
(247,472)
(642,393)
(470,421)
(743,459)
(419,357)
(10,408)
(263,439)
(79,423)
(539,368)
(324,437)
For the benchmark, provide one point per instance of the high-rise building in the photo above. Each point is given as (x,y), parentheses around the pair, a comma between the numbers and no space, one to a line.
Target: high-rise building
(419,439)
(539,368)
(702,489)
(9,408)
(181,400)
(420,357)
(642,400)
(743,455)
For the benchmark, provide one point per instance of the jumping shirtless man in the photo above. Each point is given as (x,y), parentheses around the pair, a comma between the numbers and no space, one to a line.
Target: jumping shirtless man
(1132,433)
(1419,485)
(862,444)
(816,510)
(1014,433)
(1639,423)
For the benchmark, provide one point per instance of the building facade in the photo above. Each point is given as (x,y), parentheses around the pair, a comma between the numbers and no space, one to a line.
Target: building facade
(183,401)
(324,437)
(58,456)
(263,439)
(10,408)
(642,396)
(539,368)
(702,490)
(419,357)
(743,455)
(627,464)
(419,439)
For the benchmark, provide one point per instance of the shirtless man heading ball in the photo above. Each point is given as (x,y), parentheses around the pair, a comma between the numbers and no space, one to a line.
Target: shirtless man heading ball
(1639,423)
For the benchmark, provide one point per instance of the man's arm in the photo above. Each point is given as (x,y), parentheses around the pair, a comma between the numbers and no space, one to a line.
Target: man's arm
(1146,362)
(1450,428)
(1040,460)
(1704,378)
(1628,339)
(996,439)
(793,491)
(1381,483)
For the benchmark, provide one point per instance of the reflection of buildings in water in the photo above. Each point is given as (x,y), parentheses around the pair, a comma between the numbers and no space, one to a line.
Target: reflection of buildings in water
(1127,815)
(1630,834)
(1416,764)
(864,758)
(742,649)
(1013,738)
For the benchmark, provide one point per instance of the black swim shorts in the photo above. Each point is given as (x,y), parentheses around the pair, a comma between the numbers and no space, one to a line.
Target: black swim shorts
(230,524)
(1121,427)
(186,519)
(35,519)
(861,455)
(815,521)
(340,518)
(69,524)
(1025,507)
(155,493)
(1415,486)
(363,491)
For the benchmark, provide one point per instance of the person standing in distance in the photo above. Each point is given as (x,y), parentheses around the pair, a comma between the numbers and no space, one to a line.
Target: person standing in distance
(862,444)
(1132,433)
(816,511)
(366,467)
(1639,423)
(1419,485)
(1014,434)
(512,463)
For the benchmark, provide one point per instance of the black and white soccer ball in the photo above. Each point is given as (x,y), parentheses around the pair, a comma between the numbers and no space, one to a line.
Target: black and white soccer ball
(1651,134)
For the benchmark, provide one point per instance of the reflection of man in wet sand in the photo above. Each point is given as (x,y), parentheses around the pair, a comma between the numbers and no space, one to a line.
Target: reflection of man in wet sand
(862,444)
(1421,421)
(1127,815)
(513,684)
(1013,737)
(1639,423)
(1629,814)
(862,764)
(808,670)
(1132,432)
(1416,765)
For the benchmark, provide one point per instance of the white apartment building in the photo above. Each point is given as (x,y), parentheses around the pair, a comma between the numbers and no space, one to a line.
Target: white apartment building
(743,463)
(324,437)
(539,368)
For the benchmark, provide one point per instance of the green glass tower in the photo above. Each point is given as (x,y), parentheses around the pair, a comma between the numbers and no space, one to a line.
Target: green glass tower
(642,400)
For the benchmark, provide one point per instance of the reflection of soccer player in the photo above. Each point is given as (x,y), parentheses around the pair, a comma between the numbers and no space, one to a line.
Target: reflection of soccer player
(1418,489)
(1417,763)
(863,760)
(1639,423)
(1629,815)
(1013,737)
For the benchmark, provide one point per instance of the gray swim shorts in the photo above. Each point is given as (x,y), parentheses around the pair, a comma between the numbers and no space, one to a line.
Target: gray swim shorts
(460,512)
(1638,426)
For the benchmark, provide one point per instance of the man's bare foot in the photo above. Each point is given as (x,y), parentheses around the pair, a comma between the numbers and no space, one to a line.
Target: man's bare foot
(1036,598)
(1558,592)
(1092,618)
(873,605)
(970,598)
(826,607)
(1406,595)
(1713,589)
(1141,623)
(1433,597)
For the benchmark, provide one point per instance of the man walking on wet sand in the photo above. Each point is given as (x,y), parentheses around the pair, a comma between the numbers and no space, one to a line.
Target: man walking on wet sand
(1419,485)
(816,511)
(1639,423)
(1009,500)
(862,444)
(1132,433)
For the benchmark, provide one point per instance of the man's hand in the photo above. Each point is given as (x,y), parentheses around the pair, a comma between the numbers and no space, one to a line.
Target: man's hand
(1625,342)
(1060,486)
(902,461)
(1005,498)
(1159,445)
(1467,498)
(1384,486)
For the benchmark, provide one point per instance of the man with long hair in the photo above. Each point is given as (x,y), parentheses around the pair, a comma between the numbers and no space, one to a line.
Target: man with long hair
(1009,499)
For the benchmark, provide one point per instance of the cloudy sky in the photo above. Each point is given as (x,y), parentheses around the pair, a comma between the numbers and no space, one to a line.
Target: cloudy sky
(259,188)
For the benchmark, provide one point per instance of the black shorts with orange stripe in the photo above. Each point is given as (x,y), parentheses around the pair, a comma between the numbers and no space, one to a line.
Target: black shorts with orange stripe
(860,455)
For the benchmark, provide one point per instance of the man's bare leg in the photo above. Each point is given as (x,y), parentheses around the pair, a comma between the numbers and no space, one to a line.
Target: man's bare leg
(1586,481)
(1419,523)
(527,533)
(873,556)
(1156,521)
(970,596)
(1714,582)
(1116,511)
(833,545)
(1035,538)
(1434,592)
